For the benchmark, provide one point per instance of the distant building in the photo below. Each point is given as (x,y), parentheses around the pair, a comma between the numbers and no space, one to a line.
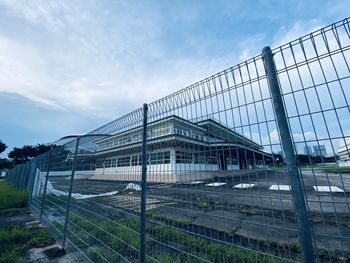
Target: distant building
(178,151)
(319,150)
(308,150)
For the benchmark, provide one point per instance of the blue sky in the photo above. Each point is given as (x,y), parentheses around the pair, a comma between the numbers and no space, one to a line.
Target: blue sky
(68,67)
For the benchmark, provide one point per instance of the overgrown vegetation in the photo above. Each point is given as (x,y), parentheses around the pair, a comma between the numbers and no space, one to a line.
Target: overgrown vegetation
(106,240)
(108,235)
(15,240)
(11,199)
(163,244)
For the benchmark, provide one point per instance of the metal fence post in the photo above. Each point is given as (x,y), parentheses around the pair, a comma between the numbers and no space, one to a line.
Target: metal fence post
(45,186)
(70,194)
(297,191)
(143,187)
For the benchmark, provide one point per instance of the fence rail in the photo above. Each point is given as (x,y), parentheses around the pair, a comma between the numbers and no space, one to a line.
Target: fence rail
(249,165)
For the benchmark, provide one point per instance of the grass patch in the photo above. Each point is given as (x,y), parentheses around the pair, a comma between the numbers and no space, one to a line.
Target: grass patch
(15,241)
(170,240)
(344,170)
(162,243)
(327,168)
(11,198)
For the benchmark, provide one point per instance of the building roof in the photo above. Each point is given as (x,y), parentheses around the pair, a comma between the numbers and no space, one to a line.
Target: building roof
(220,131)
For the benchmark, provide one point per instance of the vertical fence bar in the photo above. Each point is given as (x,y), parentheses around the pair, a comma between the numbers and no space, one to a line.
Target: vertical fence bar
(23,172)
(23,176)
(31,183)
(143,187)
(15,176)
(305,236)
(70,194)
(45,186)
(18,177)
(25,182)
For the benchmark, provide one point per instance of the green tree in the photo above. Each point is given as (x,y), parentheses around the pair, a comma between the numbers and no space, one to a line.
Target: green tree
(3,146)
(4,163)
(43,148)
(27,152)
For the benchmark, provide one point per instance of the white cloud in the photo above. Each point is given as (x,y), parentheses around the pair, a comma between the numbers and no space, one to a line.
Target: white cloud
(107,62)
(274,136)
(20,65)
(38,12)
(299,29)
(301,137)
(89,65)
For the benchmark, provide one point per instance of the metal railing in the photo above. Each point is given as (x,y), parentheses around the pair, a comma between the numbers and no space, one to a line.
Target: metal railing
(249,165)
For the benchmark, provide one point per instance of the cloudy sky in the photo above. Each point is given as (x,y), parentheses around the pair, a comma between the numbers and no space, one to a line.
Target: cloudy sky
(68,67)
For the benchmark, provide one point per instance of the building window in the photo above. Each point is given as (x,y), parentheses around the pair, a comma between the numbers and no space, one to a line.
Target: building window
(149,133)
(200,158)
(160,157)
(123,161)
(136,137)
(99,165)
(212,160)
(156,158)
(109,145)
(180,130)
(167,157)
(183,157)
(231,161)
(108,163)
(136,160)
(162,131)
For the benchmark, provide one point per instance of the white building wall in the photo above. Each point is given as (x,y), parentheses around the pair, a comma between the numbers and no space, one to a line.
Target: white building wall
(77,174)
(163,173)
(231,167)
(155,173)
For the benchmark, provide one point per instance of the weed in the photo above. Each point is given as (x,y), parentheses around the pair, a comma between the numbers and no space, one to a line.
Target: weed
(202,204)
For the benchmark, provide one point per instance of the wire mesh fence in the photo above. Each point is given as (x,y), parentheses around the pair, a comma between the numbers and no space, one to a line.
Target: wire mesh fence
(249,165)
